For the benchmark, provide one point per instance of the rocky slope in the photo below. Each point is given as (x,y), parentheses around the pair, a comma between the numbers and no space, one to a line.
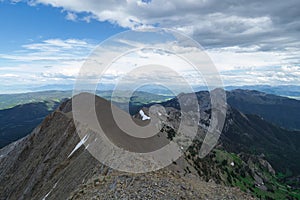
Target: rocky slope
(163,184)
(41,166)
(251,133)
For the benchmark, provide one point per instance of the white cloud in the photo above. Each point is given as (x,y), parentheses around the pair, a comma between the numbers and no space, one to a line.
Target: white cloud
(57,45)
(71,16)
(192,16)
(243,58)
(285,75)
(238,65)
(214,24)
(9,76)
(52,50)
(50,61)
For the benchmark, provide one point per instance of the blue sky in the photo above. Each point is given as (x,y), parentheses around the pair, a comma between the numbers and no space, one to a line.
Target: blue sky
(23,24)
(45,42)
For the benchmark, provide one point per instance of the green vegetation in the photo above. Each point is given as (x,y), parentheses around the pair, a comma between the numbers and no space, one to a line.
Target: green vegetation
(12,100)
(137,98)
(257,137)
(248,172)
(243,177)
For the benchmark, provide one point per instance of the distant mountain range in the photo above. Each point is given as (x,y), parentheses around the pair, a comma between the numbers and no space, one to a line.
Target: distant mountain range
(12,100)
(140,97)
(292,91)
(281,111)
(59,92)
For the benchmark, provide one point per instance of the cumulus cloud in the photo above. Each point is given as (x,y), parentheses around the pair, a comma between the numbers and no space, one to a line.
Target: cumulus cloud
(271,27)
(213,23)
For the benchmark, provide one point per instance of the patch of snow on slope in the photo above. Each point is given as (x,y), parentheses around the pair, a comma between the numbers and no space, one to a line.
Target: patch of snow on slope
(50,191)
(79,145)
(144,116)
(47,195)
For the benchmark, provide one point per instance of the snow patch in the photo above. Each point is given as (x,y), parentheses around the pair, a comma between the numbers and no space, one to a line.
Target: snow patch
(81,142)
(47,195)
(144,116)
(55,185)
(50,191)
(232,164)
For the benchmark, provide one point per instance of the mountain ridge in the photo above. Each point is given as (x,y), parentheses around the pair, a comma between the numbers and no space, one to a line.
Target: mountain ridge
(38,166)
(33,167)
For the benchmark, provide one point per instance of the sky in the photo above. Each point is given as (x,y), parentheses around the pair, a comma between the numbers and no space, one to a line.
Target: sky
(45,42)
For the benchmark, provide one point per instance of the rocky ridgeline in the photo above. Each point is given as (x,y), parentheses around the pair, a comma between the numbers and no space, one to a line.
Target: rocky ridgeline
(47,165)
